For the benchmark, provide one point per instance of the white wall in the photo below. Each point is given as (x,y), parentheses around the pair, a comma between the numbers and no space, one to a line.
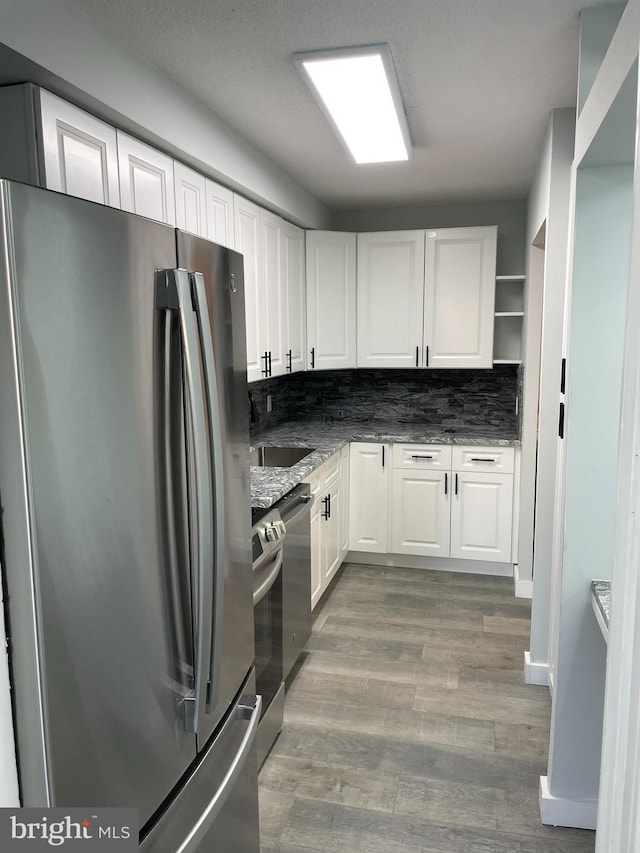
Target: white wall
(70,54)
(604,209)
(549,205)
(510,217)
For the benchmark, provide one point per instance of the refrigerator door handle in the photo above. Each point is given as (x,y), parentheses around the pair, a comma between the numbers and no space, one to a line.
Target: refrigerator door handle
(173,293)
(215,442)
(214,807)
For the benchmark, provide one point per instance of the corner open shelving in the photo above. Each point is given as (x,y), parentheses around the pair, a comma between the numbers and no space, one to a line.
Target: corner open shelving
(508,319)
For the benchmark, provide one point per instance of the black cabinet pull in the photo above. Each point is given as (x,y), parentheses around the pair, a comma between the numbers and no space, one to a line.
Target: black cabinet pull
(446,483)
(329,496)
(269,363)
(326,512)
(563,375)
(313,357)
(420,456)
(290,361)
(427,354)
(265,358)
(561,421)
(417,355)
(383,455)
(481,459)
(456,484)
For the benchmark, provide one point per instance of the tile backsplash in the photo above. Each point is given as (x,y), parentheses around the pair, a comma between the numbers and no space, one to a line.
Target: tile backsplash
(446,397)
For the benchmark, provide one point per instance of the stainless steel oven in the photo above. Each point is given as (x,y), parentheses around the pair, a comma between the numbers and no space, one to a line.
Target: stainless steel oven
(267,540)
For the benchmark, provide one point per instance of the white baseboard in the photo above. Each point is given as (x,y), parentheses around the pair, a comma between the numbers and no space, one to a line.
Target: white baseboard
(535,673)
(558,811)
(439,564)
(523,587)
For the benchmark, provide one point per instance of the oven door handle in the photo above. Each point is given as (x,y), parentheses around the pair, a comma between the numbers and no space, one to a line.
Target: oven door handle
(260,591)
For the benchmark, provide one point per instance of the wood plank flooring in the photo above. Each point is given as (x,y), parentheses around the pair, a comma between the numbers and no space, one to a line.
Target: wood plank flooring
(408,727)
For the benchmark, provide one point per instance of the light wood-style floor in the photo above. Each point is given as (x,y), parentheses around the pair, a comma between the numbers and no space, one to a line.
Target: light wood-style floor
(408,726)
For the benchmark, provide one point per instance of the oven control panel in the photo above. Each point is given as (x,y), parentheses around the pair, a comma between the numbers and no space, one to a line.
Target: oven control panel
(267,535)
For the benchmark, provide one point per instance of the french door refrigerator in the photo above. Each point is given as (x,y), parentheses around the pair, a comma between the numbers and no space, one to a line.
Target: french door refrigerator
(125,520)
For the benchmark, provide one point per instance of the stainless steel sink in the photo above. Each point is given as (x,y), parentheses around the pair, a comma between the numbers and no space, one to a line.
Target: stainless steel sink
(278,457)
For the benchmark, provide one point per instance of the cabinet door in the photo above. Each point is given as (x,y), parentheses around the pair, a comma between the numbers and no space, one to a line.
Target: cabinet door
(331,300)
(219,203)
(333,549)
(80,152)
(369,498)
(146,180)
(344,485)
(293,275)
(191,205)
(273,312)
(481,512)
(460,272)
(247,241)
(390,299)
(317,555)
(420,512)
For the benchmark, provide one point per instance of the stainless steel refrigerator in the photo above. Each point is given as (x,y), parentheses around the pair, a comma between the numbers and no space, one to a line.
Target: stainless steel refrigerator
(124,492)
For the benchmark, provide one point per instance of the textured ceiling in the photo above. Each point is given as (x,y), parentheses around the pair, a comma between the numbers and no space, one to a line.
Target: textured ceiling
(478,78)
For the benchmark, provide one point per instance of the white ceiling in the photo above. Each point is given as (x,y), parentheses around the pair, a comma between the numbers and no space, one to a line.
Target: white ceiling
(478,78)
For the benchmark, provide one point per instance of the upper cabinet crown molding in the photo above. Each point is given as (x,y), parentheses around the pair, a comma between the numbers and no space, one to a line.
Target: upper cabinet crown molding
(146,180)
(331,300)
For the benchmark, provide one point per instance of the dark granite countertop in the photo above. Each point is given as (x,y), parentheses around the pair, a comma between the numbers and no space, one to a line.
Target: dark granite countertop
(268,485)
(601,592)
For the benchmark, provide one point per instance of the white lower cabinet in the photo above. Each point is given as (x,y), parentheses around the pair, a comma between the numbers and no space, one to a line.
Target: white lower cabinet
(481,516)
(316,554)
(420,512)
(327,521)
(410,499)
(344,500)
(331,533)
(369,497)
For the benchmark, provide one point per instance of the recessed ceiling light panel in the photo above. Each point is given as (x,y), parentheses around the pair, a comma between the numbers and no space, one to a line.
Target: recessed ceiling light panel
(358,91)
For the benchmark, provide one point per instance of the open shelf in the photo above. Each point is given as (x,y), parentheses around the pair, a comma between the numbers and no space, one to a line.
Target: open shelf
(509,296)
(507,338)
(508,319)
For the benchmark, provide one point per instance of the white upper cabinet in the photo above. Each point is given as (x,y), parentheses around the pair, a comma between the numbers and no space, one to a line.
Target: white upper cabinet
(390,299)
(146,180)
(331,300)
(273,305)
(460,274)
(80,152)
(247,242)
(191,206)
(219,204)
(293,274)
